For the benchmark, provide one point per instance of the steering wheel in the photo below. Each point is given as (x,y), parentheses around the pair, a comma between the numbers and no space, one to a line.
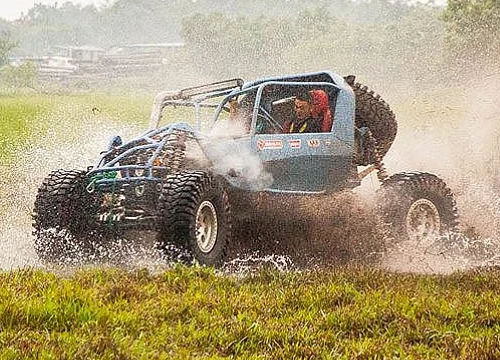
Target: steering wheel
(266,122)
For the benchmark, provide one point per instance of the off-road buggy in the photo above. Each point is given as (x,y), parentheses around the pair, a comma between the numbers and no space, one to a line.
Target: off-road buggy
(189,181)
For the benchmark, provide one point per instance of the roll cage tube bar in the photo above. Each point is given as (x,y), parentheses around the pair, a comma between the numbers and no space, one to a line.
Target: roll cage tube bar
(187,97)
(232,87)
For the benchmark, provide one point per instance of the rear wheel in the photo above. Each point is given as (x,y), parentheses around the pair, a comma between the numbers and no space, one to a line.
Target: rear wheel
(62,217)
(418,207)
(195,216)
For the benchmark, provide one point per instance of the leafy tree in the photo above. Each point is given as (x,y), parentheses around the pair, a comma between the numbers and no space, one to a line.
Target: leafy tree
(6,46)
(474,30)
(46,26)
(131,21)
(19,76)
(408,50)
(219,44)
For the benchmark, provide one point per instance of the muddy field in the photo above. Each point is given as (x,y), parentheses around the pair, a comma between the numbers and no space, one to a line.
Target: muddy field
(455,138)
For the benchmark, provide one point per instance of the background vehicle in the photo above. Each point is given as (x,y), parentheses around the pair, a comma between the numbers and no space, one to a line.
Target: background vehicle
(191,181)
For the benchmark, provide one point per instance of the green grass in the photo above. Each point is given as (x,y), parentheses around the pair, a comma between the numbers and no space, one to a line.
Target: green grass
(19,114)
(193,313)
(125,108)
(25,117)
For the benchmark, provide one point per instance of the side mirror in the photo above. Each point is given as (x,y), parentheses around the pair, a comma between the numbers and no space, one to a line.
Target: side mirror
(115,142)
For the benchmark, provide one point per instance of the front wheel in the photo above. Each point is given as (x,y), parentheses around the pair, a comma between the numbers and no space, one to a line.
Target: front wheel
(418,208)
(62,217)
(195,216)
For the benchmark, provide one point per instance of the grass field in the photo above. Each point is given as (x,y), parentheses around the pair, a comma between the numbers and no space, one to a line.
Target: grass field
(25,117)
(18,116)
(347,313)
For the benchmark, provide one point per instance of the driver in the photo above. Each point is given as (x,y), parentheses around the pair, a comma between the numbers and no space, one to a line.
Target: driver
(304,121)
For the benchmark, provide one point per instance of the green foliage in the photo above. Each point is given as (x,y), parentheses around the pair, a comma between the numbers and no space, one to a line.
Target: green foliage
(342,313)
(409,49)
(474,30)
(6,46)
(45,26)
(19,76)
(232,44)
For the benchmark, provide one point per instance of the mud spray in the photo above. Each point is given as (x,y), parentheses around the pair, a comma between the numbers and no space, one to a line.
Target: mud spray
(457,138)
(457,141)
(76,135)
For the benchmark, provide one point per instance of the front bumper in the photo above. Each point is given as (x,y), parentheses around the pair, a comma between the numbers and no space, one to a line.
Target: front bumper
(126,203)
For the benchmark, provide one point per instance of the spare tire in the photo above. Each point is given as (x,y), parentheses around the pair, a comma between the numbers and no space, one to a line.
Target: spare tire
(374,113)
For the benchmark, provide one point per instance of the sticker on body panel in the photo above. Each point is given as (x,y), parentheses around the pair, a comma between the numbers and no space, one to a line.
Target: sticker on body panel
(295,143)
(269,144)
(313,143)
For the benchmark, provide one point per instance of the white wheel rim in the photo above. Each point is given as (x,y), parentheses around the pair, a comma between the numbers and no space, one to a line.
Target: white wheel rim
(423,222)
(206,226)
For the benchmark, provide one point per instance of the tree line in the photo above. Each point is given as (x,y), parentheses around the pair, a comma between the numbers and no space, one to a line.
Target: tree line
(146,21)
(384,38)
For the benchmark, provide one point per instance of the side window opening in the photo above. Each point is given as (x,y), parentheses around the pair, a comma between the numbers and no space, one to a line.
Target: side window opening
(296,108)
(235,117)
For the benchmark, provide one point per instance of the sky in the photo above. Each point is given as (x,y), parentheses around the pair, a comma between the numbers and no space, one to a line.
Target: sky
(11,9)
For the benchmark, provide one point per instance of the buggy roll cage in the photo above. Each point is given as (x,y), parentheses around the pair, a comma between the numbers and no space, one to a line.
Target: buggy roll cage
(190,97)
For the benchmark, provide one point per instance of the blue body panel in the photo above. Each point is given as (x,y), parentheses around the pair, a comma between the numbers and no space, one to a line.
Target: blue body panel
(304,162)
(308,162)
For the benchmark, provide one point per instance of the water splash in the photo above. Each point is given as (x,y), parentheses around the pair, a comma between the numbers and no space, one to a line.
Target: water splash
(72,142)
(248,264)
(76,135)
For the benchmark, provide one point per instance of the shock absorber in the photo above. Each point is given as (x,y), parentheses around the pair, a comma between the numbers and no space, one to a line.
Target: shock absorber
(377,159)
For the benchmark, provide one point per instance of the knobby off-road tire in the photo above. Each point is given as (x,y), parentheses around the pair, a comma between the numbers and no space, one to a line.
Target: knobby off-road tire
(175,152)
(194,215)
(62,217)
(418,208)
(373,112)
